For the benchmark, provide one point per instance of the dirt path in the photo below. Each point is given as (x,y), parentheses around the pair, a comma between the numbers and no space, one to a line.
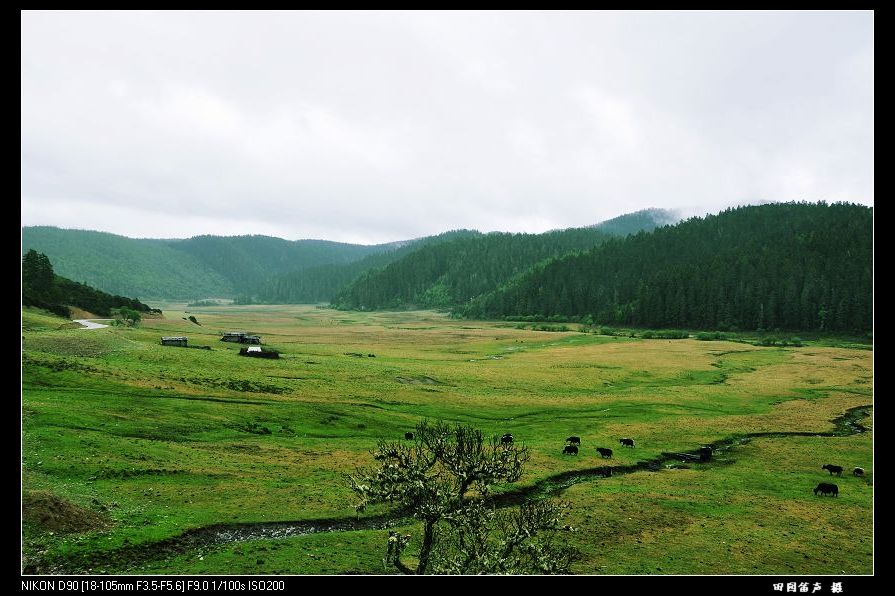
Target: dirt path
(210,536)
(88,324)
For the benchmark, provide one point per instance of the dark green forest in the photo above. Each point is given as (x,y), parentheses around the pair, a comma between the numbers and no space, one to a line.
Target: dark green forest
(328,283)
(42,288)
(204,266)
(249,268)
(451,273)
(322,283)
(247,262)
(794,266)
(120,265)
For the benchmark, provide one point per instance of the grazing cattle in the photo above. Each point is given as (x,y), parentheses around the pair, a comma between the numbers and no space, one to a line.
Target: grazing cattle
(626,442)
(574,440)
(604,452)
(605,472)
(705,453)
(825,488)
(408,436)
(832,469)
(858,471)
(570,450)
(507,438)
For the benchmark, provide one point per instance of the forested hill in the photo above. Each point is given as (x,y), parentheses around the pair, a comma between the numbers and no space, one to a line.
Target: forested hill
(451,273)
(254,267)
(644,220)
(120,265)
(198,267)
(797,266)
(42,288)
(249,261)
(322,283)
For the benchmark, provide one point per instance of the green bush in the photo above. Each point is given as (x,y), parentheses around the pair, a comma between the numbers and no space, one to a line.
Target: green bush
(666,334)
(711,336)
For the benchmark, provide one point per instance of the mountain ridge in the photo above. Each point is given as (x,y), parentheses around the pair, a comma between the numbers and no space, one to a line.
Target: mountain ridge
(248,267)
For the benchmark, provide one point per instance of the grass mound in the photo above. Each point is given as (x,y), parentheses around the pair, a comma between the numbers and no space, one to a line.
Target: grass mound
(55,514)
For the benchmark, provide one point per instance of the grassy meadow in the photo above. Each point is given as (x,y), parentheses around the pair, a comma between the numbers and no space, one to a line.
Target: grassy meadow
(128,443)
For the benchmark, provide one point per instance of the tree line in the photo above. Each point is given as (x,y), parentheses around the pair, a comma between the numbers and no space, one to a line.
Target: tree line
(324,282)
(199,267)
(795,266)
(451,273)
(42,288)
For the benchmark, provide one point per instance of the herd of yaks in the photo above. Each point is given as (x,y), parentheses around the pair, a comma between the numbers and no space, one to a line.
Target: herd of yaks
(573,442)
(828,488)
(571,448)
(572,445)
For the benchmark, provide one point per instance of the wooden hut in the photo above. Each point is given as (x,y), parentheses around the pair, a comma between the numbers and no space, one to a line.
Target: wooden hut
(241,337)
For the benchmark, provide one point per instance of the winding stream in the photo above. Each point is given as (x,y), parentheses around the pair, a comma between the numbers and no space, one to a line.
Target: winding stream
(219,534)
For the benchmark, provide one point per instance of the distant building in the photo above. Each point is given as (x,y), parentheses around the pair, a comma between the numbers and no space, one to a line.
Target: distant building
(240,337)
(178,340)
(234,336)
(258,352)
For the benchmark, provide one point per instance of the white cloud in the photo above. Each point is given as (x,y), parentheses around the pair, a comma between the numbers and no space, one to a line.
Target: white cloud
(381,126)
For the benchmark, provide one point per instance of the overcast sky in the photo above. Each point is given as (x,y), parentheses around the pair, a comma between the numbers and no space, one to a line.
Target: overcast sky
(373,127)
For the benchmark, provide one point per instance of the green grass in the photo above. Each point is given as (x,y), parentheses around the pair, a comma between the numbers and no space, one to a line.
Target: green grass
(741,515)
(162,439)
(359,552)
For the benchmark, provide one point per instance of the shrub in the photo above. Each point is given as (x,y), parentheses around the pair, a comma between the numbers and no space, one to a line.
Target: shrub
(711,336)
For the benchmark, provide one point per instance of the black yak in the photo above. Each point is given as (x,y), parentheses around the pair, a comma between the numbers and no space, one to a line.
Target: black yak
(825,488)
(832,469)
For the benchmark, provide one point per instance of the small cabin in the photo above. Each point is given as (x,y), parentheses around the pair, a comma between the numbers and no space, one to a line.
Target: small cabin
(258,352)
(175,341)
(241,337)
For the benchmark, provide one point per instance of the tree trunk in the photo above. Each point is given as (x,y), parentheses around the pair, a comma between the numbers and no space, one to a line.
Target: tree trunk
(426,548)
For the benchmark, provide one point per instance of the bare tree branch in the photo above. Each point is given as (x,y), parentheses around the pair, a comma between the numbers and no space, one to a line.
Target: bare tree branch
(462,533)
